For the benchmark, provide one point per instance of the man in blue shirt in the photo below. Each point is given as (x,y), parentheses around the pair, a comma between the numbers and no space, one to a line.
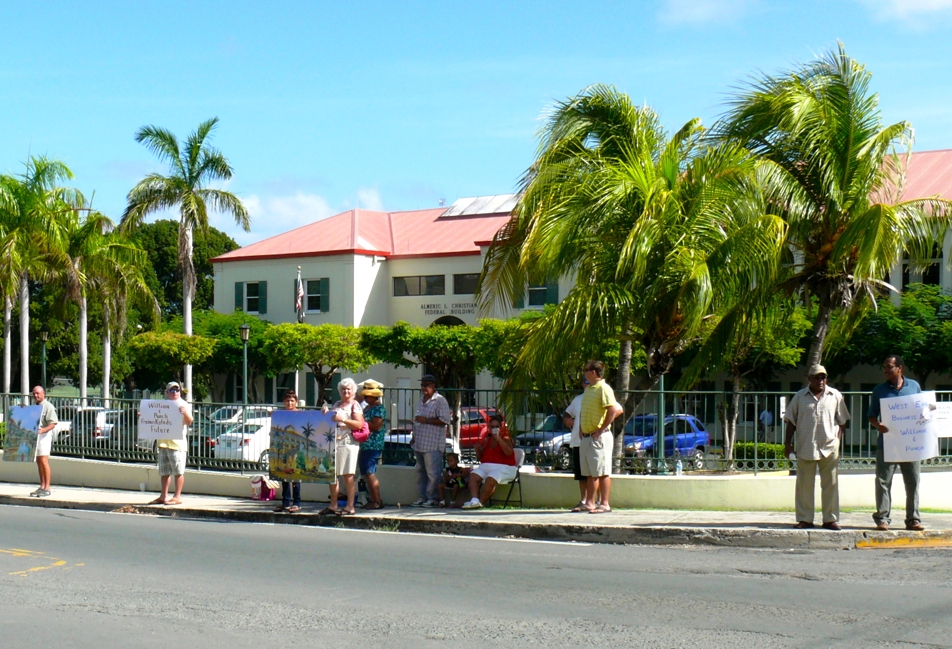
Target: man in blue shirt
(896,385)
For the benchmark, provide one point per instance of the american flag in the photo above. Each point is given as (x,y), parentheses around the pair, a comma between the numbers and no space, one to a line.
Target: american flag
(299,298)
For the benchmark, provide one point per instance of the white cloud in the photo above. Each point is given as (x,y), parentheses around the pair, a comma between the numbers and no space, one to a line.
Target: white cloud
(699,12)
(271,215)
(369,199)
(907,10)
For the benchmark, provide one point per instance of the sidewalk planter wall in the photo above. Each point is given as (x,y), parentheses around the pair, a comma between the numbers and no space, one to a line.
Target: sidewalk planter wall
(741,492)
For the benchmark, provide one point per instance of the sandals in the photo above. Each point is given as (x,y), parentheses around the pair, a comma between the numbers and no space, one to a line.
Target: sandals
(581,507)
(346,512)
(601,509)
(293,509)
(327,511)
(373,506)
(279,509)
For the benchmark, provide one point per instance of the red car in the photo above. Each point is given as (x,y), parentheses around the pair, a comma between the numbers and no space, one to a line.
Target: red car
(473,424)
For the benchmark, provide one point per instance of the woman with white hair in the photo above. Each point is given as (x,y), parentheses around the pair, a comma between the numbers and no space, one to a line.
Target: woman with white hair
(349,417)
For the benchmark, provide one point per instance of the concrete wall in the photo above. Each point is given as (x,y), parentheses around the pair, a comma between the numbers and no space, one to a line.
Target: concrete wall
(743,492)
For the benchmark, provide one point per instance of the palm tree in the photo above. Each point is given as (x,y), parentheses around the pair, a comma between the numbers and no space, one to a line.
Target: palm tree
(31,205)
(659,232)
(100,261)
(192,168)
(834,174)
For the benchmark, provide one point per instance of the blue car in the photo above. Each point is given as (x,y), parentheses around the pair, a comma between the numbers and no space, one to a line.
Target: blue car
(692,438)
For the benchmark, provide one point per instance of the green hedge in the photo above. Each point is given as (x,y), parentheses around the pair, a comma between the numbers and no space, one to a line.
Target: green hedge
(3,432)
(772,453)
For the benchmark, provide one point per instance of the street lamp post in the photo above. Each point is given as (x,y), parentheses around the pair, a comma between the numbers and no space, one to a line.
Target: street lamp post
(44,336)
(245,331)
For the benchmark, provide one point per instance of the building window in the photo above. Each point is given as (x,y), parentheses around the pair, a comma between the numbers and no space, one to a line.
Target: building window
(538,296)
(932,274)
(419,285)
(316,295)
(465,284)
(251,297)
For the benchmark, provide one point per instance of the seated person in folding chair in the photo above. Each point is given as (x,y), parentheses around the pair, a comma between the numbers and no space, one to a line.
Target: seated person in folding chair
(497,464)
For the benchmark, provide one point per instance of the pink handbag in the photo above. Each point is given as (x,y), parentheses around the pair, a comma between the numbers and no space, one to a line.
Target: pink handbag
(362,434)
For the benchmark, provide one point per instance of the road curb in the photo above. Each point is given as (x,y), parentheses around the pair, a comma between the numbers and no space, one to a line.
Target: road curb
(745,537)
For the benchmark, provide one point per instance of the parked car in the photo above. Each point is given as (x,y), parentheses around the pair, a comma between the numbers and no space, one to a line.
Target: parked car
(551,426)
(472,424)
(207,429)
(692,438)
(248,441)
(65,424)
(96,425)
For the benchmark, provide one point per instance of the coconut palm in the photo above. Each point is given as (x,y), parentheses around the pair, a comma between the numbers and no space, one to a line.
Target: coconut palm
(834,173)
(192,167)
(31,205)
(659,233)
(99,261)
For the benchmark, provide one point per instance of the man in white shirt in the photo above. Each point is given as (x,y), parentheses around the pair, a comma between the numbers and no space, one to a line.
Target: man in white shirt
(571,419)
(171,452)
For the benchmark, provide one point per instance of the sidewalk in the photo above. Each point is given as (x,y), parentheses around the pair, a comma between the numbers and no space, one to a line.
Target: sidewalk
(649,527)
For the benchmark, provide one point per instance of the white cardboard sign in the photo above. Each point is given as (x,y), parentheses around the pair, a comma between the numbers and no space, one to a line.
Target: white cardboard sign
(160,419)
(912,427)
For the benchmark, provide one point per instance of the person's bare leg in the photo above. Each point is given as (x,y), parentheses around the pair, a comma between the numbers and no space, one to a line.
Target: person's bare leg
(334,489)
(590,491)
(43,468)
(489,488)
(164,495)
(179,484)
(350,486)
(373,484)
(474,482)
(604,489)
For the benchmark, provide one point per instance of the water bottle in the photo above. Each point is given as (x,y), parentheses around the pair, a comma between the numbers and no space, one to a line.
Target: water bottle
(678,468)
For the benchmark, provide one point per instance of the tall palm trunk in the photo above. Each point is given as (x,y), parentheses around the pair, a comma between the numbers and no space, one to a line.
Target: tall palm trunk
(106,358)
(820,330)
(188,290)
(7,342)
(730,419)
(24,335)
(83,349)
(622,380)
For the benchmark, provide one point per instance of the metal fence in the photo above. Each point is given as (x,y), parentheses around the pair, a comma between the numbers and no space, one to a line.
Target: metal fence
(227,436)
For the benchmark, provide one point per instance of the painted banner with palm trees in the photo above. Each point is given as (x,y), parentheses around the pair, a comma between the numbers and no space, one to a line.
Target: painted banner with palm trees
(303,446)
(19,444)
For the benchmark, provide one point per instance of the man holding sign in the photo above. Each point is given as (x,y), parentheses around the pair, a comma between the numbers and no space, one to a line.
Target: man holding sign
(171,452)
(896,385)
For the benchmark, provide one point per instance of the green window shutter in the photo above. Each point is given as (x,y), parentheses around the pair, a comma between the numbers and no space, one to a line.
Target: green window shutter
(239,296)
(325,295)
(268,389)
(310,387)
(262,298)
(552,293)
(230,388)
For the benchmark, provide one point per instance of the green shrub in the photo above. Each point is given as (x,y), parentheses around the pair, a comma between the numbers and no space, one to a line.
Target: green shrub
(768,455)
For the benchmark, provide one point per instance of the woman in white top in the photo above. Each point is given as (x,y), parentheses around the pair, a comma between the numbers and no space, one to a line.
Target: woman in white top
(349,417)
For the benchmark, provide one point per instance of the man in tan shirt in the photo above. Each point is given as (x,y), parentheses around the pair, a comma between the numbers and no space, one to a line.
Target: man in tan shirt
(816,420)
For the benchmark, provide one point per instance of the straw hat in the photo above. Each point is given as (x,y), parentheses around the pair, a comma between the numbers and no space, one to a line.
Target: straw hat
(371,388)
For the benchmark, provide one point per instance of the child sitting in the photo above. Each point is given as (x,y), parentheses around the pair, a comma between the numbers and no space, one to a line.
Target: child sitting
(454,480)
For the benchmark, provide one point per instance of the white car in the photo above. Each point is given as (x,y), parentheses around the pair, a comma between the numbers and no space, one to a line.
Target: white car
(246,442)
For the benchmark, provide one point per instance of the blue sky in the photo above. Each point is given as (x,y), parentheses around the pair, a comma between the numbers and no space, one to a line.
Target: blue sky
(395,105)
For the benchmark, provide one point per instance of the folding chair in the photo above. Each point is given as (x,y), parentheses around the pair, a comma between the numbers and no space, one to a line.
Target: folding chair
(520,459)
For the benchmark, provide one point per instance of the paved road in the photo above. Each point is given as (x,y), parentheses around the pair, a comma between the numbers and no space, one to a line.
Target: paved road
(78,579)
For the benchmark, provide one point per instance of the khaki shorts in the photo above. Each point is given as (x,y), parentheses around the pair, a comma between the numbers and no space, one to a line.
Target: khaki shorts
(44,444)
(171,461)
(595,455)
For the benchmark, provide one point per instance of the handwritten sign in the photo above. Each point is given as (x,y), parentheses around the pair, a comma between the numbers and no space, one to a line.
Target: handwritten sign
(943,417)
(912,427)
(160,419)
(19,445)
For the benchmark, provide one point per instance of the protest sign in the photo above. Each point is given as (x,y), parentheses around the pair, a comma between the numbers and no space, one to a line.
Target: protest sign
(912,427)
(303,446)
(943,416)
(19,444)
(160,419)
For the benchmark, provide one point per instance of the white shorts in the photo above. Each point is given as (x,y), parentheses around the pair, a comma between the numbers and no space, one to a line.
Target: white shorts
(595,455)
(346,463)
(499,472)
(44,444)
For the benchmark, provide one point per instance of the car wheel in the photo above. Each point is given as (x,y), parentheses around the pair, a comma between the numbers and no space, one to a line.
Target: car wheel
(697,460)
(565,458)
(265,460)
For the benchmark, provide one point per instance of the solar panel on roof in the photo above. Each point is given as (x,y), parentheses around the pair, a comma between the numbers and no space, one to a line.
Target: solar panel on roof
(474,205)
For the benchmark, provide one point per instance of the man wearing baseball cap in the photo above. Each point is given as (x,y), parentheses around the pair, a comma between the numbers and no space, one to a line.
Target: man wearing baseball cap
(171,452)
(429,441)
(816,420)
